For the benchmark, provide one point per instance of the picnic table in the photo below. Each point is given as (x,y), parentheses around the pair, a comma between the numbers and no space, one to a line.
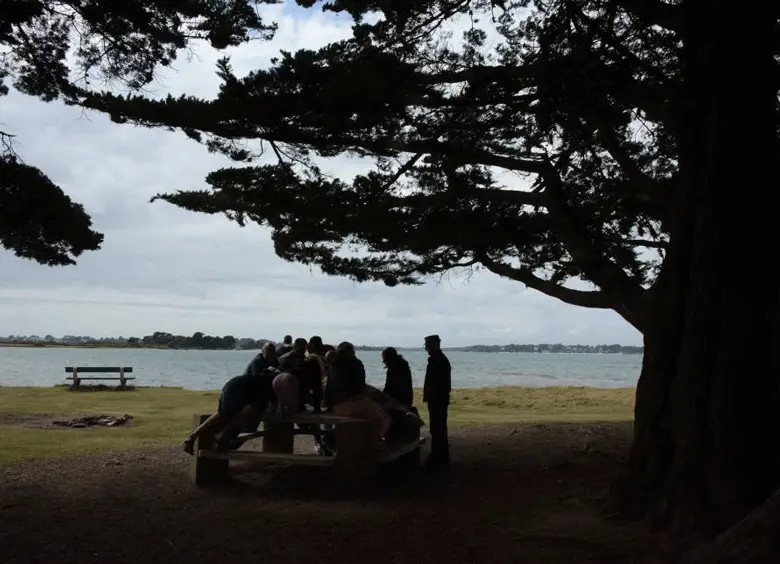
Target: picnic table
(355,464)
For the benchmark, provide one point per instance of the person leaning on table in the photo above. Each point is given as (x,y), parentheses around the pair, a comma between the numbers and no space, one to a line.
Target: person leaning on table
(347,389)
(242,402)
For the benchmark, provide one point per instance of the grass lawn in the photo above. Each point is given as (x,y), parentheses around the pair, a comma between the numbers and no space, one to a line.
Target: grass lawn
(163,415)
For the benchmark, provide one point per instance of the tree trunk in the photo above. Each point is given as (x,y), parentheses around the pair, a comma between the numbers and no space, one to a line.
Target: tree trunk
(707,416)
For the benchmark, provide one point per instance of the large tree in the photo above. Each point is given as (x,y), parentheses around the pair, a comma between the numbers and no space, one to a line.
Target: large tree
(56,50)
(637,126)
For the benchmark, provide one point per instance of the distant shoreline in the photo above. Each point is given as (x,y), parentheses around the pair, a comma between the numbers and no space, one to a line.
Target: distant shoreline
(82,346)
(472,348)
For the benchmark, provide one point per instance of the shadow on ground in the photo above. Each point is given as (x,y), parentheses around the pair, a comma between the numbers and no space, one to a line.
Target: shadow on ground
(527,495)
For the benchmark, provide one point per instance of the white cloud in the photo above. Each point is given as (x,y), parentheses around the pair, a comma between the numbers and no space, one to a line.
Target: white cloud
(165,269)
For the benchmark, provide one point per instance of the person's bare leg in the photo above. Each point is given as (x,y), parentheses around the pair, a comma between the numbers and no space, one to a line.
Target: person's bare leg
(209,427)
(250,413)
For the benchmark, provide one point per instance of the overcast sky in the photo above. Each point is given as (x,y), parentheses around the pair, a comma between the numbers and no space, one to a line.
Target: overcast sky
(165,269)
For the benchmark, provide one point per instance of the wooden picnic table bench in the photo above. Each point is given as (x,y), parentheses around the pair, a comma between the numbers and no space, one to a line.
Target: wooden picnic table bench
(77,372)
(355,464)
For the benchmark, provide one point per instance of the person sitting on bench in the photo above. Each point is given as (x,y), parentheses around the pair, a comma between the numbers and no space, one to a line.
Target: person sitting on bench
(347,390)
(241,404)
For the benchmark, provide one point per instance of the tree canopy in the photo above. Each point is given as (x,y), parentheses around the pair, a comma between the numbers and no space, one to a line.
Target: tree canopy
(541,146)
(547,141)
(60,49)
(550,141)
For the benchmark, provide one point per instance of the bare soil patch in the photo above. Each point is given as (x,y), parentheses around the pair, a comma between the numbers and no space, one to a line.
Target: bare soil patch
(531,494)
(54,421)
(29,420)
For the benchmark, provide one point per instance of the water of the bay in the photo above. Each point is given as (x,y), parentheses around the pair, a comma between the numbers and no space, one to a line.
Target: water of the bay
(207,370)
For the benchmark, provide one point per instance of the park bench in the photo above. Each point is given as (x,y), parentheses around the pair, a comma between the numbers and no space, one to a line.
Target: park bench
(77,372)
(355,465)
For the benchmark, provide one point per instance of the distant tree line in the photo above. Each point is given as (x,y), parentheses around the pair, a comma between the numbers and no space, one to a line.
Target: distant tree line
(158,339)
(200,340)
(556,348)
(197,340)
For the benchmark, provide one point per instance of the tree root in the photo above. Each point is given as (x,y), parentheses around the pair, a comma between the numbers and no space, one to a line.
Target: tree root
(754,540)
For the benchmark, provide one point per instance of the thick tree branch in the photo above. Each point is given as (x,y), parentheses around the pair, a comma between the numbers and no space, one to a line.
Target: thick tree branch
(645,188)
(592,299)
(649,98)
(235,123)
(625,294)
(387,147)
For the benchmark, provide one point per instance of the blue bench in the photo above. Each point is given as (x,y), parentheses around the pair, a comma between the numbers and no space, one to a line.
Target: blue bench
(77,372)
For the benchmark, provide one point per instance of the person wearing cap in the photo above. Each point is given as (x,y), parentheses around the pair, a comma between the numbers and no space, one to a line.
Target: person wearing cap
(436,394)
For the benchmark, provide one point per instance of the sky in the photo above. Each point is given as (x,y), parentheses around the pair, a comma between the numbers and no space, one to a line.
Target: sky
(165,269)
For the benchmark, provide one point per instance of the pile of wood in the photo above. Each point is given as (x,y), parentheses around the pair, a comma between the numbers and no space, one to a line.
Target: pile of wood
(95,421)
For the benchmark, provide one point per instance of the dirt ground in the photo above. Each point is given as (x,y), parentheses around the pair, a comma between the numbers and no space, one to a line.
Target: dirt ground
(530,494)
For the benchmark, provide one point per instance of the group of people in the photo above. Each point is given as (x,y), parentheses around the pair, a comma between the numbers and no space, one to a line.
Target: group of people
(300,373)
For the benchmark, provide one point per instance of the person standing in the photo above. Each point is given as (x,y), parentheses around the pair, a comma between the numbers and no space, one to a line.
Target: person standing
(436,394)
(286,346)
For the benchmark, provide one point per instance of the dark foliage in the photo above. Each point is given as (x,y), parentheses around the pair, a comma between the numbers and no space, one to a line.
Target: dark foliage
(38,220)
(120,43)
(196,341)
(579,99)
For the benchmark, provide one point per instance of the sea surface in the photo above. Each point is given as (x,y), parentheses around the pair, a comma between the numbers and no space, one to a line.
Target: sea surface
(208,370)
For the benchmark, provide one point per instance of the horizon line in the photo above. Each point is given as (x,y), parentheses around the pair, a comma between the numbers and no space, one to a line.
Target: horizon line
(18,338)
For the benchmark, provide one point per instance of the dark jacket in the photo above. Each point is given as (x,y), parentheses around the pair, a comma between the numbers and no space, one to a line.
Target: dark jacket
(291,361)
(438,379)
(347,379)
(398,383)
(258,365)
(261,370)
(310,381)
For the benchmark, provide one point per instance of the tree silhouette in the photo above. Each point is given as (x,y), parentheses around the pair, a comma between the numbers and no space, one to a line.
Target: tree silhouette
(56,50)
(636,125)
